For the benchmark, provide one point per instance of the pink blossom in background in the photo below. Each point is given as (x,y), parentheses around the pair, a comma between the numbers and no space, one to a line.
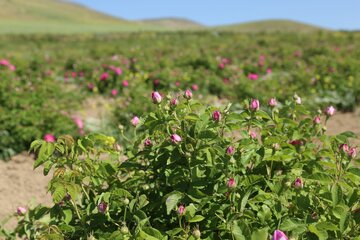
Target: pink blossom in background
(4,62)
(12,68)
(125,83)
(272,102)
(117,71)
(49,138)
(177,83)
(221,65)
(81,74)
(225,61)
(104,76)
(269,71)
(114,92)
(79,122)
(317,120)
(91,86)
(73,74)
(226,80)
(174,102)
(253,76)
(195,87)
(156,82)
(114,57)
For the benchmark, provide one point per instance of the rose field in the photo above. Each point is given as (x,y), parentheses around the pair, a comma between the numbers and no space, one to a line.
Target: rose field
(180,135)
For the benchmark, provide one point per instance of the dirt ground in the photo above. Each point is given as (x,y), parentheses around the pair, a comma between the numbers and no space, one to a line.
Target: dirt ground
(21,186)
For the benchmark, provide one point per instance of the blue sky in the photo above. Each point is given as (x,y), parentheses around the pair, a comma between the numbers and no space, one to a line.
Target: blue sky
(334,14)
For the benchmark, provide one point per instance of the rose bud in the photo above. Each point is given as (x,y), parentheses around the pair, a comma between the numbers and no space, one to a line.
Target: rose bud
(352,152)
(175,138)
(21,211)
(298,183)
(104,76)
(314,216)
(124,230)
(231,183)
(255,105)
(49,138)
(125,83)
(317,120)
(330,111)
(279,235)
(216,116)
(195,87)
(135,121)
(230,150)
(272,102)
(196,233)
(147,143)
(252,135)
(156,97)
(174,102)
(188,94)
(102,207)
(344,147)
(181,210)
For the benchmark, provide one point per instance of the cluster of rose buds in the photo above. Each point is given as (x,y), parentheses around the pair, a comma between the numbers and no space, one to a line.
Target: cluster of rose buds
(6,63)
(350,151)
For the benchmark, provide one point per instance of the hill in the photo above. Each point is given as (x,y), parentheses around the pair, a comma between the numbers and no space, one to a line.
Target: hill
(55,16)
(174,23)
(270,26)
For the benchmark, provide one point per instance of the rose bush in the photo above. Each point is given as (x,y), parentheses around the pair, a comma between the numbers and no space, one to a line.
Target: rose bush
(190,175)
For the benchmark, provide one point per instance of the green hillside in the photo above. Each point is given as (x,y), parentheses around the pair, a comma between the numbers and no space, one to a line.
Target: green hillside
(52,16)
(174,23)
(270,26)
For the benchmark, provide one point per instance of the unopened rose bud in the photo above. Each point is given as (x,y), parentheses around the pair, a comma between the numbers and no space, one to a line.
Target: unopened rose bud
(253,135)
(124,230)
(272,102)
(231,183)
(21,211)
(181,210)
(135,121)
(330,111)
(344,147)
(196,233)
(298,183)
(230,150)
(102,207)
(147,143)
(216,116)
(188,94)
(174,102)
(156,97)
(255,105)
(175,138)
(317,120)
(352,152)
(279,235)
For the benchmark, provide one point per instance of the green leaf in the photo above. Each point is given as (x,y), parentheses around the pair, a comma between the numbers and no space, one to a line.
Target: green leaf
(236,231)
(260,234)
(143,201)
(59,193)
(172,200)
(321,234)
(68,215)
(144,236)
(46,151)
(336,194)
(344,221)
(197,218)
(293,225)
